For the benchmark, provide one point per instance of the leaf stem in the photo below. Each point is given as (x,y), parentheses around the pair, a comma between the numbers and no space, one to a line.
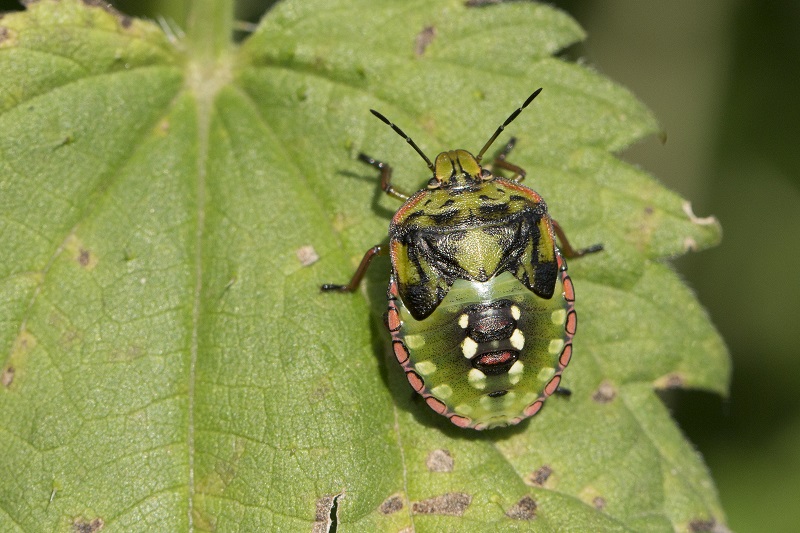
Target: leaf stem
(209,29)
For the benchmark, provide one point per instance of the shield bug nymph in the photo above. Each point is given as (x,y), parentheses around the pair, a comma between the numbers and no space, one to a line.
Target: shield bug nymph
(481,308)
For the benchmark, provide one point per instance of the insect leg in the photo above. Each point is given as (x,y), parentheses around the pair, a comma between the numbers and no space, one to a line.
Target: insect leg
(386,177)
(360,271)
(501,162)
(566,247)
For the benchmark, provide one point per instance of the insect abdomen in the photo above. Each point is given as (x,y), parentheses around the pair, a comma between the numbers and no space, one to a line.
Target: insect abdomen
(490,353)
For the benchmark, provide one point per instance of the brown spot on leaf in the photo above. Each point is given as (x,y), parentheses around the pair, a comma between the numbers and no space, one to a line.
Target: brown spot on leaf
(540,476)
(307,255)
(127,353)
(163,127)
(321,391)
(70,339)
(81,253)
(25,342)
(481,3)
(66,140)
(673,380)
(324,505)
(439,461)
(23,345)
(605,393)
(203,521)
(648,210)
(592,496)
(326,514)
(391,505)
(82,525)
(222,474)
(450,504)
(226,468)
(525,509)
(424,38)
(599,503)
(696,526)
(86,259)
(707,526)
(7,377)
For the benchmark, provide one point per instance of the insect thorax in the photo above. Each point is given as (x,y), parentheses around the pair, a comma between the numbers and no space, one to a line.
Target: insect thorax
(472,233)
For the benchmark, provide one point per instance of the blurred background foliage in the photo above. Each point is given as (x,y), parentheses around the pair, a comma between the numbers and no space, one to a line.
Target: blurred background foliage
(722,77)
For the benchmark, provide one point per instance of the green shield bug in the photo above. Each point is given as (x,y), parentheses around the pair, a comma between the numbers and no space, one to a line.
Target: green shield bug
(481,308)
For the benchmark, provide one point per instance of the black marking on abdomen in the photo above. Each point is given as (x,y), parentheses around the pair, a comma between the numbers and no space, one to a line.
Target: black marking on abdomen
(490,322)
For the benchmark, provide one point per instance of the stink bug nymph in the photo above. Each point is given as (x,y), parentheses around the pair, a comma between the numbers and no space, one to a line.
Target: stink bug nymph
(481,309)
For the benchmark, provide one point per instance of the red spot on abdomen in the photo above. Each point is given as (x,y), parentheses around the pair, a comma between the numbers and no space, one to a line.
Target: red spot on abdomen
(415,380)
(496,358)
(496,362)
(436,405)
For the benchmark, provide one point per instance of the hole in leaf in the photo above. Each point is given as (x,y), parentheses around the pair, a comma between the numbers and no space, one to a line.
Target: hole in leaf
(326,519)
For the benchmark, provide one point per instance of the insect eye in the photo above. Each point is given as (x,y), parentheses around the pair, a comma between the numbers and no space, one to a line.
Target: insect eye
(486,174)
(433,183)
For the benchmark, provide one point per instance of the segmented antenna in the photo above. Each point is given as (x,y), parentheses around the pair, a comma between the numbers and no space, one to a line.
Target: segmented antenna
(507,122)
(408,139)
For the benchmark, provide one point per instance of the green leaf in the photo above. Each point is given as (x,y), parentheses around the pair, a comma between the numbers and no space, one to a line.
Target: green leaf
(169,362)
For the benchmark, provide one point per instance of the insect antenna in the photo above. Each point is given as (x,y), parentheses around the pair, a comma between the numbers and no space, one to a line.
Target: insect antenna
(507,122)
(408,139)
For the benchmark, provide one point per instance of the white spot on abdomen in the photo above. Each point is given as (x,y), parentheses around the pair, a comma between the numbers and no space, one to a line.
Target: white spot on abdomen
(546,373)
(469,347)
(509,398)
(414,341)
(426,368)
(515,372)
(555,346)
(463,409)
(517,339)
(442,391)
(477,379)
(559,317)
